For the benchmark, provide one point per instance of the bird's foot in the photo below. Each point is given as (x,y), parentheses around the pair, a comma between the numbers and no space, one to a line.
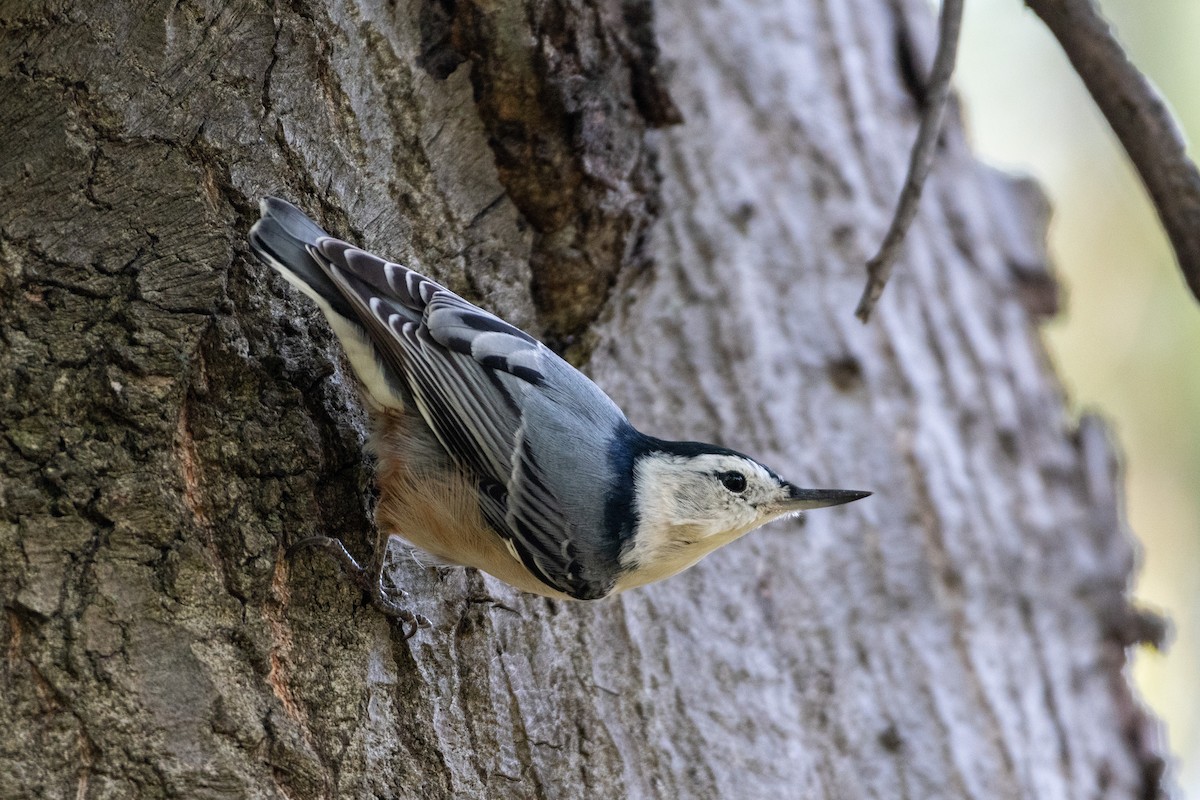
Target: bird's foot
(370,581)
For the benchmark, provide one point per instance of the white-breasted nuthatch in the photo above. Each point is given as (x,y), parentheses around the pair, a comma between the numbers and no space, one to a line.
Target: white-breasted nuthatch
(495,453)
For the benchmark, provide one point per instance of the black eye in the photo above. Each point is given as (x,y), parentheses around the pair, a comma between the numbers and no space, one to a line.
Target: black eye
(733,481)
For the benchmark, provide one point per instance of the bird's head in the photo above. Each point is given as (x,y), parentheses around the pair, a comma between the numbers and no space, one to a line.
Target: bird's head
(691,499)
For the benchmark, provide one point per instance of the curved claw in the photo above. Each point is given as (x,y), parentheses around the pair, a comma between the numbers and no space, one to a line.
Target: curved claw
(372,584)
(333,546)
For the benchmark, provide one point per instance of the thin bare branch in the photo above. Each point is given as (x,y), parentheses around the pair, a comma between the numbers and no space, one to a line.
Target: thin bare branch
(1140,119)
(879,268)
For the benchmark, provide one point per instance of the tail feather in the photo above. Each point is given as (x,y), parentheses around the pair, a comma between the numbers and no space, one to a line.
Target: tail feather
(281,239)
(289,242)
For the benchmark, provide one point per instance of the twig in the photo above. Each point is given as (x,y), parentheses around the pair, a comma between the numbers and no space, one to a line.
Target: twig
(879,268)
(1140,119)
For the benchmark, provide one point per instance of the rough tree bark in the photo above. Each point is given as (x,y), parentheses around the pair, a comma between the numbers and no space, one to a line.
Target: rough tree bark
(172,416)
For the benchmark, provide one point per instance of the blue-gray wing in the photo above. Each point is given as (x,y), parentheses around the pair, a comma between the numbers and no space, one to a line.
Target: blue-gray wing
(482,386)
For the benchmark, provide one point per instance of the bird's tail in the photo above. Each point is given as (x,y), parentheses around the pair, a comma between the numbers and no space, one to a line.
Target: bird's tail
(281,239)
(289,242)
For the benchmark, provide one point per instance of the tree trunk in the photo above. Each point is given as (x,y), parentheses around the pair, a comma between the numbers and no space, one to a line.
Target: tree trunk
(173,415)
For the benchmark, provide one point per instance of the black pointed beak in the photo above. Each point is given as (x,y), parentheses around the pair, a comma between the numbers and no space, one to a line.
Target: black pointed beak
(804,499)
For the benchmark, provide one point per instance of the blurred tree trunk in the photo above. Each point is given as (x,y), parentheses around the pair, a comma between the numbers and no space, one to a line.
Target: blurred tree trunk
(173,416)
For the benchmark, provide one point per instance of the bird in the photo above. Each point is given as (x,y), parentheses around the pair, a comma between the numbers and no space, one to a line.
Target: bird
(493,452)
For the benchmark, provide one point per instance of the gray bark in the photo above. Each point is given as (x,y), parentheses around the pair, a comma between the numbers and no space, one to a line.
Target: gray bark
(172,416)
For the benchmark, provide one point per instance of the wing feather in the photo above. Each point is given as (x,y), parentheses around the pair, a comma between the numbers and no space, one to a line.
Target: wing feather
(468,371)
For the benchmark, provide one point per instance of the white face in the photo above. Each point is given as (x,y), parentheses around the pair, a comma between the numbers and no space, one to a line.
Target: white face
(712,494)
(690,505)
